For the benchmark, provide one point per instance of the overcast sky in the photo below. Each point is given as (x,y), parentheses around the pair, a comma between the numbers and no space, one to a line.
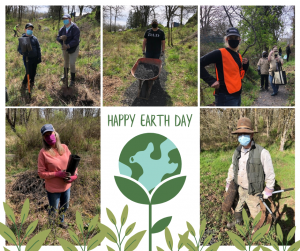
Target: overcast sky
(44,9)
(159,11)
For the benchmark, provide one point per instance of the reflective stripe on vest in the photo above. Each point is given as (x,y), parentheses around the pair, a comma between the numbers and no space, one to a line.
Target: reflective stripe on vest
(232,74)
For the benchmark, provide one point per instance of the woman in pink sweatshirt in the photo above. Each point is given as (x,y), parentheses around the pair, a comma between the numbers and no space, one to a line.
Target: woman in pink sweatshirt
(52,164)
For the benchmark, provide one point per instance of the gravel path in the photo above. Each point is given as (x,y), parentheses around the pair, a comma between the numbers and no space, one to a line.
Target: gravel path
(158,95)
(265,98)
(146,71)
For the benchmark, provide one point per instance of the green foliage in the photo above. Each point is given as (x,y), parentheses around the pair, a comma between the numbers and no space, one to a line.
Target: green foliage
(132,242)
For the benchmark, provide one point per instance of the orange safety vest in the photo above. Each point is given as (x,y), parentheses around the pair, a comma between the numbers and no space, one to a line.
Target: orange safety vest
(232,74)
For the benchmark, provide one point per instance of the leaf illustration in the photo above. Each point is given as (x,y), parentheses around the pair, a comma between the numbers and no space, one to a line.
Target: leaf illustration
(132,191)
(109,234)
(159,249)
(37,241)
(291,233)
(109,248)
(190,245)
(31,228)
(73,236)
(191,229)
(182,239)
(240,229)
(169,238)
(260,233)
(9,212)
(161,225)
(25,211)
(79,222)
(202,228)
(257,248)
(95,241)
(256,219)
(93,223)
(279,233)
(214,247)
(7,234)
(168,190)
(111,216)
(295,246)
(67,246)
(237,241)
(274,244)
(124,215)
(264,248)
(5,249)
(207,240)
(245,218)
(134,241)
(130,229)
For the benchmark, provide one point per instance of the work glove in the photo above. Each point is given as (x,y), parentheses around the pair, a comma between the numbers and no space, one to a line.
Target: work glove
(162,54)
(227,186)
(63,37)
(62,174)
(267,193)
(144,53)
(65,46)
(70,179)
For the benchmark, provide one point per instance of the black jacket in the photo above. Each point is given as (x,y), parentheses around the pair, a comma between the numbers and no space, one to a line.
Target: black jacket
(73,36)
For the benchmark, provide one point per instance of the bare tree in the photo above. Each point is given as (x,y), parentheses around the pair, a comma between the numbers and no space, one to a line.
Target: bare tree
(117,9)
(170,12)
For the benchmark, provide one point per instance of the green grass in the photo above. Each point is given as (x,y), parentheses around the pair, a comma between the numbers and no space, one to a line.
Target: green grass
(122,49)
(213,174)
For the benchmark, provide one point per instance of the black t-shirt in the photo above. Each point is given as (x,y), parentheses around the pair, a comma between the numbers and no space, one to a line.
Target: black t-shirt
(154,39)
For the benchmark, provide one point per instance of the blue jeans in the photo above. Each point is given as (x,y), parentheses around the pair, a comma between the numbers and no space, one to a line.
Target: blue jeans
(223,99)
(274,87)
(152,55)
(54,199)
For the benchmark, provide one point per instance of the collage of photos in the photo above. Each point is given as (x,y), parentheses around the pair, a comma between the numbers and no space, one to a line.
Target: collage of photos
(210,165)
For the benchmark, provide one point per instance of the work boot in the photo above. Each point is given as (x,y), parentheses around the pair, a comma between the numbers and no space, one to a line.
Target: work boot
(64,76)
(238,220)
(63,225)
(72,79)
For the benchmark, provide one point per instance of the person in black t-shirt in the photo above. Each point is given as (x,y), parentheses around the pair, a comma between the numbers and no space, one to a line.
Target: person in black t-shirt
(154,41)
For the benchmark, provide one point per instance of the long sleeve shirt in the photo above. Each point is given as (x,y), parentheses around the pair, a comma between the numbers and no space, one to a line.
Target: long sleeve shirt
(267,165)
(48,165)
(215,57)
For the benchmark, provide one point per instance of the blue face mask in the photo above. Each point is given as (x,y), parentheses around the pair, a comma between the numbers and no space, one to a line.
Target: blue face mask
(29,32)
(244,140)
(66,21)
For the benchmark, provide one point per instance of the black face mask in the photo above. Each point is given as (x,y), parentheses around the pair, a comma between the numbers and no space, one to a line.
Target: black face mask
(233,43)
(265,55)
(154,26)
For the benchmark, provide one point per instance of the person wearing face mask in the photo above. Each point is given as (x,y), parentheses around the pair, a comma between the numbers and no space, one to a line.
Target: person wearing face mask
(276,63)
(68,37)
(34,56)
(52,164)
(154,41)
(251,170)
(263,66)
(230,70)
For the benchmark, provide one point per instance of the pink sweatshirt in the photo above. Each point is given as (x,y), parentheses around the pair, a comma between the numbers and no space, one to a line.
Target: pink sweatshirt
(48,165)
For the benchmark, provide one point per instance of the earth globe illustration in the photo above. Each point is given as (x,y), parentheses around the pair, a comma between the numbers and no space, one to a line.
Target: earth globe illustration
(150,158)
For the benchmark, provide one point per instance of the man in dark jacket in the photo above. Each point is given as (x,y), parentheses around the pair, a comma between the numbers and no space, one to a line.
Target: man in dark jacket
(34,56)
(154,41)
(288,52)
(68,37)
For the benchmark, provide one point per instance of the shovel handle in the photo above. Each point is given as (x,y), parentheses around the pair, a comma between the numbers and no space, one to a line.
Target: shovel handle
(28,83)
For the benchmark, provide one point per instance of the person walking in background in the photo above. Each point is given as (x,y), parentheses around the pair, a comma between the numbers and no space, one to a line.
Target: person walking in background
(263,66)
(154,42)
(68,37)
(251,170)
(276,63)
(288,52)
(230,70)
(280,51)
(16,30)
(52,164)
(34,56)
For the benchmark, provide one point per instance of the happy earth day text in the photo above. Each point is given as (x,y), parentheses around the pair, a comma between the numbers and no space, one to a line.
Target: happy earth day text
(149,120)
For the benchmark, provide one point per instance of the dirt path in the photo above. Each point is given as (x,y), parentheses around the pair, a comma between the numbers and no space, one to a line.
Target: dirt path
(158,96)
(265,98)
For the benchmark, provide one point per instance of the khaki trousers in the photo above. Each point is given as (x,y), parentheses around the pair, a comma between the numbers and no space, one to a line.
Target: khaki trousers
(70,59)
